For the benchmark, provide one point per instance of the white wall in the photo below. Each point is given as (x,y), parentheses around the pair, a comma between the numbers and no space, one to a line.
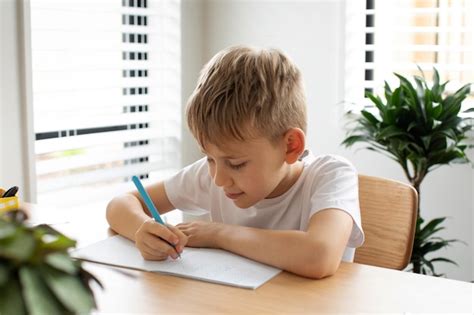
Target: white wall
(192,60)
(312,33)
(14,167)
(470,206)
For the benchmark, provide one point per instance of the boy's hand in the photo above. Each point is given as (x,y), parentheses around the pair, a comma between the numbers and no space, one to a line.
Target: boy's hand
(147,240)
(201,233)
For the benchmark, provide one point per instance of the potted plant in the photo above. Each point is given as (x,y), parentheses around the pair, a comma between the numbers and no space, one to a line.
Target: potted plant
(420,128)
(37,275)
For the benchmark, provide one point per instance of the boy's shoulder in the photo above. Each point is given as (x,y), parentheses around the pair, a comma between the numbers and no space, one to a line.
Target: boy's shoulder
(325,162)
(328,174)
(327,169)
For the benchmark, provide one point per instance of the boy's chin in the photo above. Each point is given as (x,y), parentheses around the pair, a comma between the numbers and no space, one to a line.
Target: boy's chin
(243,204)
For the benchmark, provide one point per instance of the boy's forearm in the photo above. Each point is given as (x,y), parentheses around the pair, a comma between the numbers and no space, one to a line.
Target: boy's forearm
(125,215)
(293,251)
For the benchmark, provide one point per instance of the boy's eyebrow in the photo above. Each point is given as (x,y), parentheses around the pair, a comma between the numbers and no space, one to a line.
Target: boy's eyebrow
(231,157)
(226,157)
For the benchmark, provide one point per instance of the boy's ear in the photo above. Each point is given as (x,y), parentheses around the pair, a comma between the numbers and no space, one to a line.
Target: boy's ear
(295,143)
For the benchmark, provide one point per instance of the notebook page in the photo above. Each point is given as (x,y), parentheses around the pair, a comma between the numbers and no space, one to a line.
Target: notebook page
(212,265)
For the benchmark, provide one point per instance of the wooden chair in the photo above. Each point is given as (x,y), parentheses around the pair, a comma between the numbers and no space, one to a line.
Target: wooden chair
(388,212)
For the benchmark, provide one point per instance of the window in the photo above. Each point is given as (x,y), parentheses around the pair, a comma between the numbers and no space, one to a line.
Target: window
(96,121)
(383,37)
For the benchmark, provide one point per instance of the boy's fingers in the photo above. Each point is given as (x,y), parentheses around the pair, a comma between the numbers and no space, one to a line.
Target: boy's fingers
(183,239)
(149,254)
(162,231)
(155,243)
(157,248)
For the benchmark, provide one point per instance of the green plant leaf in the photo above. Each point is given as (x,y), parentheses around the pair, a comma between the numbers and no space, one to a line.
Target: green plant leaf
(436,112)
(426,141)
(429,228)
(412,125)
(435,77)
(63,262)
(88,277)
(433,246)
(353,139)
(463,91)
(4,273)
(428,264)
(387,90)
(420,89)
(7,230)
(392,131)
(52,240)
(39,299)
(426,235)
(443,260)
(12,300)
(397,96)
(376,149)
(371,118)
(20,247)
(421,71)
(378,103)
(412,96)
(69,290)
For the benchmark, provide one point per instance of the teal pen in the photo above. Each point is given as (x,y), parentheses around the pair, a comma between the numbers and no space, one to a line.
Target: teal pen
(151,206)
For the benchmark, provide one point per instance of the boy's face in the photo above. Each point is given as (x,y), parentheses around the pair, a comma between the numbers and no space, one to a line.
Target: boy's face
(249,171)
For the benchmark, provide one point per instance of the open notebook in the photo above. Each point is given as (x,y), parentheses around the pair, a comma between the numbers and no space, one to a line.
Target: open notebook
(212,265)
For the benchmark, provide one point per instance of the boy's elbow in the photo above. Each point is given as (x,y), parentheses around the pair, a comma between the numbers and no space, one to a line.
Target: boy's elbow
(321,272)
(111,210)
(324,263)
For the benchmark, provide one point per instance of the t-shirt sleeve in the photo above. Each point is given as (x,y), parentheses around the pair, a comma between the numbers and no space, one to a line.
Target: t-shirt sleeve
(336,186)
(188,190)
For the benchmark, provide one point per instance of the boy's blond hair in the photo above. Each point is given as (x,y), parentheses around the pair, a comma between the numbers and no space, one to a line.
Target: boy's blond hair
(244,93)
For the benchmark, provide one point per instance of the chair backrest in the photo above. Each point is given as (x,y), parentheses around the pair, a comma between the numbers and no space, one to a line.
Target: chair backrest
(388,212)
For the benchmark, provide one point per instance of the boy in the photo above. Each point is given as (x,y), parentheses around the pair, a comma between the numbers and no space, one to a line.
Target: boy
(269,199)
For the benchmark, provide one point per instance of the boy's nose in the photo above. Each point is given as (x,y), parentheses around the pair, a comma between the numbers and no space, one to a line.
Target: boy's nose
(221,179)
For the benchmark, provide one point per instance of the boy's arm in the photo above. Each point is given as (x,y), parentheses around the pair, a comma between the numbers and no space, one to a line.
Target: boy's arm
(315,253)
(126,213)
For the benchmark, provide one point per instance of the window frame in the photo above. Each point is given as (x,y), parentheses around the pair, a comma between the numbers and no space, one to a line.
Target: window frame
(356,54)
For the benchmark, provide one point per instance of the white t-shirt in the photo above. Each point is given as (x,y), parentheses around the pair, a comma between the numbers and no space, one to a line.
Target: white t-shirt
(327,181)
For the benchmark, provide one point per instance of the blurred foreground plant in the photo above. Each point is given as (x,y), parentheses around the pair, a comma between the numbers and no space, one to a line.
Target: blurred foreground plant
(37,275)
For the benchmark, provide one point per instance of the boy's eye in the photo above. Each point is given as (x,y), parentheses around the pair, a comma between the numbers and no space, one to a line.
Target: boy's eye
(237,166)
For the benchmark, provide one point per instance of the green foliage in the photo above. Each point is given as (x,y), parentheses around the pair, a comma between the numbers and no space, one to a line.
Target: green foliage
(420,128)
(425,243)
(37,276)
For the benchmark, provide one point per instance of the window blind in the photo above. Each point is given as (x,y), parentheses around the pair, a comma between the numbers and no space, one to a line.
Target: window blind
(106,96)
(383,37)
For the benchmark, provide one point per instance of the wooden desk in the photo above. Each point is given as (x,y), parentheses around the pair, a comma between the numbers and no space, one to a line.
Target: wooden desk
(354,288)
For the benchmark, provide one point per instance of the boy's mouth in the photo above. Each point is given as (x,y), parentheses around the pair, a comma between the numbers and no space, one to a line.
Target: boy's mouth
(233,195)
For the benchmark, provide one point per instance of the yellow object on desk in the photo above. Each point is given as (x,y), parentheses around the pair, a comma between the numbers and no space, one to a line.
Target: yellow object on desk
(9,203)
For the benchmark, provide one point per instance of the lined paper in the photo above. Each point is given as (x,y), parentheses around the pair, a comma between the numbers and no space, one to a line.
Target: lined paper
(206,264)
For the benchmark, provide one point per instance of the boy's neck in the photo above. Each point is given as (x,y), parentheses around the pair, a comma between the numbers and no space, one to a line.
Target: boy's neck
(292,175)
